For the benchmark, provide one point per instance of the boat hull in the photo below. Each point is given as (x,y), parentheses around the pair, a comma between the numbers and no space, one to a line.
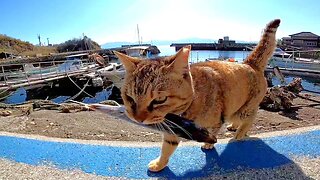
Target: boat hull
(294,64)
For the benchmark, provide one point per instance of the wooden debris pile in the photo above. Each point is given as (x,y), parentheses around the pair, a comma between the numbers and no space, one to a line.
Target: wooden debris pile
(281,97)
(33,105)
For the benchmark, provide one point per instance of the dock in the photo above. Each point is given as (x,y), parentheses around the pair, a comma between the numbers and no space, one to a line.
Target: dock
(214,46)
(297,72)
(224,44)
(55,56)
(33,74)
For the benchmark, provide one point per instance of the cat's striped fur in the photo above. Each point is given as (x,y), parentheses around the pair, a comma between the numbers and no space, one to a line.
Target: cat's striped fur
(209,93)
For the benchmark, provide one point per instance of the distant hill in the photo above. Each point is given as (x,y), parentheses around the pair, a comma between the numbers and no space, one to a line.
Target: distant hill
(115,44)
(12,45)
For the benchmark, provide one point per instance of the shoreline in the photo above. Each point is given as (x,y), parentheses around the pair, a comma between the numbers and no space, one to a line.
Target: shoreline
(91,125)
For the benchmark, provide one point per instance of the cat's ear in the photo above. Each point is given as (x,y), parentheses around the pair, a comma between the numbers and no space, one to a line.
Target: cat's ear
(180,61)
(129,63)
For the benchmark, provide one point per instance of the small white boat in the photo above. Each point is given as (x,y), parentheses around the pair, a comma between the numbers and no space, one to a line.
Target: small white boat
(285,60)
(136,51)
(280,53)
(113,73)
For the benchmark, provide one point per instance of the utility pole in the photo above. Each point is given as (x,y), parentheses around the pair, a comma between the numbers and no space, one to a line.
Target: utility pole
(39,38)
(85,41)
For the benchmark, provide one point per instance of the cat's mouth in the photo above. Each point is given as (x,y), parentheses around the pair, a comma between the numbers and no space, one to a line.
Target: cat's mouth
(146,121)
(155,120)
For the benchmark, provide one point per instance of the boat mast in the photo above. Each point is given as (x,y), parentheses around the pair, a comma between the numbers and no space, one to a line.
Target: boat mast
(139,42)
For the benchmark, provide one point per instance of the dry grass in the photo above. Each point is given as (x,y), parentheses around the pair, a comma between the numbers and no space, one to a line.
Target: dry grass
(9,44)
(18,47)
(40,50)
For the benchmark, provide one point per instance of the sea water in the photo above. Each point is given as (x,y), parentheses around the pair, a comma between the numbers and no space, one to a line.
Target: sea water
(196,56)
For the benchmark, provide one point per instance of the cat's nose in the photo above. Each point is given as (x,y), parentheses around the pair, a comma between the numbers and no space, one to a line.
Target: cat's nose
(139,120)
(140,117)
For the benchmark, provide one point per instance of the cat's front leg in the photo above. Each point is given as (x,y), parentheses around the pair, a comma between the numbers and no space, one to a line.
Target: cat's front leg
(212,133)
(169,145)
(207,146)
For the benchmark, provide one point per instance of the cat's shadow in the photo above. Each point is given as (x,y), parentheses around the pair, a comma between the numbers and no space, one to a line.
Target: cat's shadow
(249,154)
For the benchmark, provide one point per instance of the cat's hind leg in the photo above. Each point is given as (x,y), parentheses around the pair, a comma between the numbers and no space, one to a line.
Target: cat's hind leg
(233,126)
(246,121)
(169,145)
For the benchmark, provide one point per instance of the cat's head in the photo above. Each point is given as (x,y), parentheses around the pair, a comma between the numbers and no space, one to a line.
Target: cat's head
(154,87)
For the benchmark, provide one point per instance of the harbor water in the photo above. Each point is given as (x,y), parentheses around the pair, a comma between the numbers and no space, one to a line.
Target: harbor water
(198,56)
(20,95)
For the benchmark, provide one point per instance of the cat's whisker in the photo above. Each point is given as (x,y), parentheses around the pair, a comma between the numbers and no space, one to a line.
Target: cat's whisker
(157,126)
(161,128)
(169,125)
(172,124)
(176,125)
(165,124)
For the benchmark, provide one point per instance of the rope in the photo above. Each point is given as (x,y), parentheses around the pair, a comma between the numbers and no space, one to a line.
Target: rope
(4,91)
(77,102)
(79,86)
(302,97)
(316,92)
(82,90)
(308,105)
(80,103)
(117,76)
(6,96)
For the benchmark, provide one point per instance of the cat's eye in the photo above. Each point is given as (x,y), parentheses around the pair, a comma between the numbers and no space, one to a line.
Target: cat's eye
(157,101)
(160,100)
(130,99)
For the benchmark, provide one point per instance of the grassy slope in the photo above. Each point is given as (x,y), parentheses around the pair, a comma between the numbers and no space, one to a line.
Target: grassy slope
(16,46)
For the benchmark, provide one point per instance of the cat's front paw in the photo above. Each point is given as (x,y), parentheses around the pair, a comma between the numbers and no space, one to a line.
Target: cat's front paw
(240,136)
(207,146)
(156,165)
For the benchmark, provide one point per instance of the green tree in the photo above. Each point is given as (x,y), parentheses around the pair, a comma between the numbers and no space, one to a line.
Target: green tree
(78,44)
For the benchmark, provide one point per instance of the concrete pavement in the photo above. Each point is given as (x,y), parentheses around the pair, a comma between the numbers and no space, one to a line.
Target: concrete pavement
(287,151)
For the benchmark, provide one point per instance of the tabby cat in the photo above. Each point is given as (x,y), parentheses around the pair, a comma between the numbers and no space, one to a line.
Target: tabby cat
(209,93)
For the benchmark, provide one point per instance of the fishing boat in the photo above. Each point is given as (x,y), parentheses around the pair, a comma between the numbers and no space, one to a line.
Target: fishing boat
(285,60)
(138,51)
(76,62)
(278,52)
(114,72)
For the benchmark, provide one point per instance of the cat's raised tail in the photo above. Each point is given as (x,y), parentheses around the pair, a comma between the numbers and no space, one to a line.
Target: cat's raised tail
(258,59)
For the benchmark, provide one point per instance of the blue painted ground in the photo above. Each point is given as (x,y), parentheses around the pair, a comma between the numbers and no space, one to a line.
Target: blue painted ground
(189,162)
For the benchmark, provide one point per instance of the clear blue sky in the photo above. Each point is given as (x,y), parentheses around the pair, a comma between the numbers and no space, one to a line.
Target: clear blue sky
(116,20)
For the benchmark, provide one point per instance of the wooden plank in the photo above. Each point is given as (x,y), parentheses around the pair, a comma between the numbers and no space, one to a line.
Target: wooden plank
(43,79)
